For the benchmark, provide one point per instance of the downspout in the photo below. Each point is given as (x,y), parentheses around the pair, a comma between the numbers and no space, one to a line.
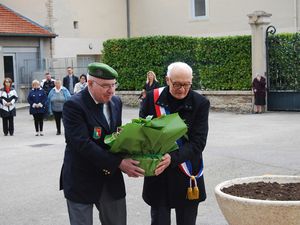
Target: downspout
(41,54)
(128,17)
(296,14)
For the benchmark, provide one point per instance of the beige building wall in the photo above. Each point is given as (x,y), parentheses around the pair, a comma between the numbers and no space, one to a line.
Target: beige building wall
(97,21)
(159,17)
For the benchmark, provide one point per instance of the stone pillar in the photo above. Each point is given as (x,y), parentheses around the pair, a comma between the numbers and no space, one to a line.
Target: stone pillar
(258,21)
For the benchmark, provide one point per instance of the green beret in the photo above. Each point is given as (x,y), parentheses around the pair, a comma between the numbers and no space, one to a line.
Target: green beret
(101,70)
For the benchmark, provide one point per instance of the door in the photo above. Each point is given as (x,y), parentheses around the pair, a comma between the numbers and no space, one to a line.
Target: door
(9,66)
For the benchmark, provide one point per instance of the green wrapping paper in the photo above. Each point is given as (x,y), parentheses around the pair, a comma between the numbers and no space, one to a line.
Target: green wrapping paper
(148,162)
(147,140)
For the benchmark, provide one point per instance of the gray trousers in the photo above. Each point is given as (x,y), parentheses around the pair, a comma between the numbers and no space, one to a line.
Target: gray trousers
(111,212)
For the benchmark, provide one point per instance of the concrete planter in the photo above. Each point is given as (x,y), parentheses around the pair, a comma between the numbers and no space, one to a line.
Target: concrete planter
(244,211)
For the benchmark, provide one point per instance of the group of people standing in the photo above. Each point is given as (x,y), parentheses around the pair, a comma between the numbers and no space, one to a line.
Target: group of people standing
(46,98)
(91,175)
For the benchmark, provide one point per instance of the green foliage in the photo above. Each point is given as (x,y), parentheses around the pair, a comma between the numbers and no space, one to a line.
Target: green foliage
(224,63)
(218,63)
(284,61)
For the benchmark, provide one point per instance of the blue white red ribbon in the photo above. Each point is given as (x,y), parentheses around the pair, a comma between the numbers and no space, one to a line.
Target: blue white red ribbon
(185,167)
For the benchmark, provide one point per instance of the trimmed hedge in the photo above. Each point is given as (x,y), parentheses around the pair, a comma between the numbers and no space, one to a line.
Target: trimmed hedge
(218,63)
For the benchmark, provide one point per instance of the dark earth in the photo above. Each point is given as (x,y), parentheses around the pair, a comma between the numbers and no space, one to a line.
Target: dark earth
(266,191)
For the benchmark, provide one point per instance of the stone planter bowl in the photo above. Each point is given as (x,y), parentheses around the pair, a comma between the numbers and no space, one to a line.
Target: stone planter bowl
(244,211)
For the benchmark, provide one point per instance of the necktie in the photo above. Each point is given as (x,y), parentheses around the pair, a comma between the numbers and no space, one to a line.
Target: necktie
(102,116)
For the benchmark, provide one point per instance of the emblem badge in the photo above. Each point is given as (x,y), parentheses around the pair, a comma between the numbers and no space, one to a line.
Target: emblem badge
(97,132)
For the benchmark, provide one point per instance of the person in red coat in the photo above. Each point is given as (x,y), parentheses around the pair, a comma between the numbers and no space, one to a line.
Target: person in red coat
(169,188)
(259,90)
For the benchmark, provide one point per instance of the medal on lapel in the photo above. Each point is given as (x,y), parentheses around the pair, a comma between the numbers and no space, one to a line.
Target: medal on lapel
(97,132)
(193,191)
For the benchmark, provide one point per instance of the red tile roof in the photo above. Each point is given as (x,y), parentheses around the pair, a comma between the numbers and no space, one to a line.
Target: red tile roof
(14,24)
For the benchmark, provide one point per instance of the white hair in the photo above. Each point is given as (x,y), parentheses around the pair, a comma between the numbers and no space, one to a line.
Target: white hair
(178,65)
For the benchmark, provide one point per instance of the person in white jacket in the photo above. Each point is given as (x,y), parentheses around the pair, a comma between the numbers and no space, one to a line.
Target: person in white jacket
(8,98)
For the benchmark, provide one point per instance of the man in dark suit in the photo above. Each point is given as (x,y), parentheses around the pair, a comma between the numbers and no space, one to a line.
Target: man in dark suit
(70,80)
(91,175)
(179,179)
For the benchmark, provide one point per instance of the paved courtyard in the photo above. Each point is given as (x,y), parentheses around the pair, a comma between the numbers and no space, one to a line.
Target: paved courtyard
(238,145)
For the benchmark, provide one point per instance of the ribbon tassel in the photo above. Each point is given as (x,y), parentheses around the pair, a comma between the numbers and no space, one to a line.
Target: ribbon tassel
(193,191)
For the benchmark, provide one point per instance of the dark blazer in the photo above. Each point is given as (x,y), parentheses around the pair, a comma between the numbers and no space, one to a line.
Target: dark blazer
(170,188)
(154,85)
(87,163)
(37,96)
(66,81)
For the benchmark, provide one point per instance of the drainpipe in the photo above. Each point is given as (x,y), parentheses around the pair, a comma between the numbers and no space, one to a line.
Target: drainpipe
(296,14)
(128,17)
(41,54)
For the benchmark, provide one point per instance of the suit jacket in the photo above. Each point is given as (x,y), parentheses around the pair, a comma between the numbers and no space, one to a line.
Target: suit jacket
(37,96)
(66,81)
(87,163)
(170,188)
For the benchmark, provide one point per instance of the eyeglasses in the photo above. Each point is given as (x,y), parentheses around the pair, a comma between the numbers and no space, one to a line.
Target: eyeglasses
(107,86)
(178,85)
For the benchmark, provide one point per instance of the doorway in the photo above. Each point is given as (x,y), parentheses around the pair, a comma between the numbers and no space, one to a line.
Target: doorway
(9,68)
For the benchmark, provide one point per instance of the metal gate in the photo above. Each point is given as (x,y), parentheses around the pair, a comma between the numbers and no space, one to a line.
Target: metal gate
(58,66)
(283,71)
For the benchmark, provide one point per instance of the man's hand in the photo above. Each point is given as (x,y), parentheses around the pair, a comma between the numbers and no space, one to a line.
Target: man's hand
(130,167)
(164,163)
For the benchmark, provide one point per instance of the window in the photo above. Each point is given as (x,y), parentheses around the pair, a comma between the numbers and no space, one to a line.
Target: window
(75,24)
(199,8)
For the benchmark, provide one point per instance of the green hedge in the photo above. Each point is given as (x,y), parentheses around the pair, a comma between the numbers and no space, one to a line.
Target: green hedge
(218,63)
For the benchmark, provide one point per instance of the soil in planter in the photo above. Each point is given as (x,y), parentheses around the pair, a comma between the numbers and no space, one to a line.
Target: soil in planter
(265,191)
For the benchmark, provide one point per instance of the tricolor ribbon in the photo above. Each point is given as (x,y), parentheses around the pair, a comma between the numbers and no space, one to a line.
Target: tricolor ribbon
(185,167)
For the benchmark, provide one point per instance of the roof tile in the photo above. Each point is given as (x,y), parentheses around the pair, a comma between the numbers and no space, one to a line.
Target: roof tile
(14,24)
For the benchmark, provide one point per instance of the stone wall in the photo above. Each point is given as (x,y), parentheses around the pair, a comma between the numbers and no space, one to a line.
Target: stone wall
(233,101)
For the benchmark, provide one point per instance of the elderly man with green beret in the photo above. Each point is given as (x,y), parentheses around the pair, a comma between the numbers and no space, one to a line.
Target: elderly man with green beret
(91,175)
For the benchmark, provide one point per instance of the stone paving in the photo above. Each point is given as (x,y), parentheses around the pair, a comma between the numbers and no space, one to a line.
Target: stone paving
(238,145)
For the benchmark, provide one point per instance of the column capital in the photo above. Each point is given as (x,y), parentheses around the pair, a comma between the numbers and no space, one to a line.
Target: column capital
(259,18)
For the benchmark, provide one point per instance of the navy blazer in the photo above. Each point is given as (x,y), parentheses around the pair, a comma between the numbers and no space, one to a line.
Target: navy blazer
(37,96)
(87,162)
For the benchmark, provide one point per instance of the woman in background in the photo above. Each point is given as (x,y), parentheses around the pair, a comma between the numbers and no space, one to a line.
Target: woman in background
(8,99)
(56,99)
(151,83)
(81,84)
(37,98)
(259,90)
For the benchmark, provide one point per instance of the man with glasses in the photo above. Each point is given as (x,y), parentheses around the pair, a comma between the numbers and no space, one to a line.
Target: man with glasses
(91,175)
(179,179)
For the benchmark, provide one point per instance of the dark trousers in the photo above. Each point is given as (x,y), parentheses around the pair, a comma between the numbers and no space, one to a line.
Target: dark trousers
(38,121)
(111,211)
(57,117)
(8,125)
(185,215)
